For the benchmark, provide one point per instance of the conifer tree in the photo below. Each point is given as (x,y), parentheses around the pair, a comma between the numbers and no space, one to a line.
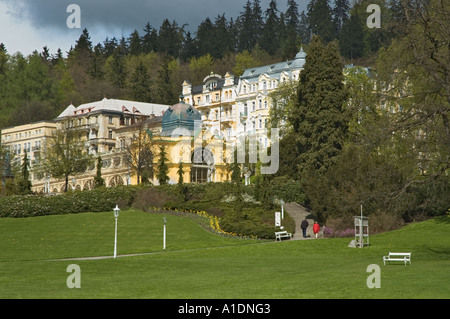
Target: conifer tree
(98,179)
(141,84)
(270,41)
(162,168)
(318,118)
(24,183)
(320,19)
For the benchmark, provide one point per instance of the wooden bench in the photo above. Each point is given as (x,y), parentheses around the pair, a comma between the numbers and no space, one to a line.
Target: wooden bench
(282,234)
(404,257)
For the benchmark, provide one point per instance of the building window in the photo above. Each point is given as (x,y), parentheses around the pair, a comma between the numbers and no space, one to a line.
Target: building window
(110,134)
(110,120)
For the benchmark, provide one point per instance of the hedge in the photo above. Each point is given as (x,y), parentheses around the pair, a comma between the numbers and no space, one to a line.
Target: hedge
(97,200)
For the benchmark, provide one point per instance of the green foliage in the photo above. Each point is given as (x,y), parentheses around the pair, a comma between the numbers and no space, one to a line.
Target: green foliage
(162,168)
(97,200)
(98,179)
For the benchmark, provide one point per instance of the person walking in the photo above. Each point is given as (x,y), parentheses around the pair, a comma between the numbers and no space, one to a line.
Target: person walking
(316,228)
(304,225)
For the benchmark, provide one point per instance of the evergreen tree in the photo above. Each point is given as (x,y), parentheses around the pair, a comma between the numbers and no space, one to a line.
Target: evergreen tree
(24,183)
(162,168)
(270,41)
(318,118)
(98,179)
(135,47)
(223,38)
(97,62)
(247,36)
(140,84)
(180,173)
(257,20)
(116,70)
(190,48)
(84,42)
(164,83)
(303,28)
(340,14)
(149,39)
(351,37)
(291,38)
(206,37)
(109,46)
(321,20)
(170,39)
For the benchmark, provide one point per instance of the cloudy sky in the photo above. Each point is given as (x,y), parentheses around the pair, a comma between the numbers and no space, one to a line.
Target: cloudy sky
(27,25)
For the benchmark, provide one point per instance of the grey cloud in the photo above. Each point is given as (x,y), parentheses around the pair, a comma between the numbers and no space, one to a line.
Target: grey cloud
(132,14)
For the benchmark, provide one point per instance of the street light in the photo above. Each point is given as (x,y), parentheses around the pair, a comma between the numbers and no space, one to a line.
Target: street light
(164,233)
(282,208)
(116,215)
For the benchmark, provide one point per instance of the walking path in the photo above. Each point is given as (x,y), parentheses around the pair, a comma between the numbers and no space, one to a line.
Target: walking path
(299,213)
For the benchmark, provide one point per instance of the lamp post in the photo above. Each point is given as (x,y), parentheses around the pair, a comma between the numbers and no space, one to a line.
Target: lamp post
(116,215)
(282,208)
(164,233)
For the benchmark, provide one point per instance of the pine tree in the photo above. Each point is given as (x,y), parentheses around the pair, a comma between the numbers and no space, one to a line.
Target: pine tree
(170,39)
(140,84)
(247,37)
(190,48)
(135,47)
(164,83)
(24,183)
(163,169)
(351,37)
(321,20)
(340,14)
(206,37)
(291,39)
(270,41)
(149,39)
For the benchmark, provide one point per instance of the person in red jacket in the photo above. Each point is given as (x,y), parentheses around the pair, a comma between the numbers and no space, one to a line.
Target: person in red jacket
(316,228)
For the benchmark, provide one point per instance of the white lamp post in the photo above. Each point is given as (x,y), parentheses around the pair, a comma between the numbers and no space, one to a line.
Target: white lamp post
(116,215)
(282,208)
(164,233)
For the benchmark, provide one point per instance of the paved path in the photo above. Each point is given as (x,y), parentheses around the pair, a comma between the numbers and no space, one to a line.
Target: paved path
(299,213)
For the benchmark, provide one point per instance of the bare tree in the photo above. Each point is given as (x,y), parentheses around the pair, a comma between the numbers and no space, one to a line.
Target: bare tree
(65,154)
(138,152)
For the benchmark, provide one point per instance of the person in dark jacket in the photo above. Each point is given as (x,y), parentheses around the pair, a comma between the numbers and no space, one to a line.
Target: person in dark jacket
(304,225)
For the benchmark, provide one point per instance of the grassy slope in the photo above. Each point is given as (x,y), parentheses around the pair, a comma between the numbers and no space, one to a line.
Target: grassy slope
(198,264)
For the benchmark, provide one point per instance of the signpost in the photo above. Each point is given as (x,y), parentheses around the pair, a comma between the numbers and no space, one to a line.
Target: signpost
(277,219)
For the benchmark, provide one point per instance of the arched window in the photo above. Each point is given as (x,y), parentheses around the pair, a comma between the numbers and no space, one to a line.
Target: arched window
(202,165)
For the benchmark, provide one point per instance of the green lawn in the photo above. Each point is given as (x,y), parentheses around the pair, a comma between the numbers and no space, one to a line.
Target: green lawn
(199,264)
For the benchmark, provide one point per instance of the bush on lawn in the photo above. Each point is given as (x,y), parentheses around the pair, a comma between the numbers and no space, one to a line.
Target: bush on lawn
(97,200)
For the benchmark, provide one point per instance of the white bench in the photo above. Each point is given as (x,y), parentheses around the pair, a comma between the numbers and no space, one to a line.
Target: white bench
(282,234)
(404,257)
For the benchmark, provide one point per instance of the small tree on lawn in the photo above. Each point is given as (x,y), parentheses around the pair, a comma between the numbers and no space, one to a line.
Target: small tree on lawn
(163,169)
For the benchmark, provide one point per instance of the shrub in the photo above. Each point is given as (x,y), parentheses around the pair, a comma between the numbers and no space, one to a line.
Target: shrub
(97,200)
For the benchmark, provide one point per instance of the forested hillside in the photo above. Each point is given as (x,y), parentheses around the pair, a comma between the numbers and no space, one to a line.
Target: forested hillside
(150,64)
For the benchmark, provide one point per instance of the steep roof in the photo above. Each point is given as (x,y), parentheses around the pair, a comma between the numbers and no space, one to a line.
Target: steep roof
(115,105)
(274,70)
